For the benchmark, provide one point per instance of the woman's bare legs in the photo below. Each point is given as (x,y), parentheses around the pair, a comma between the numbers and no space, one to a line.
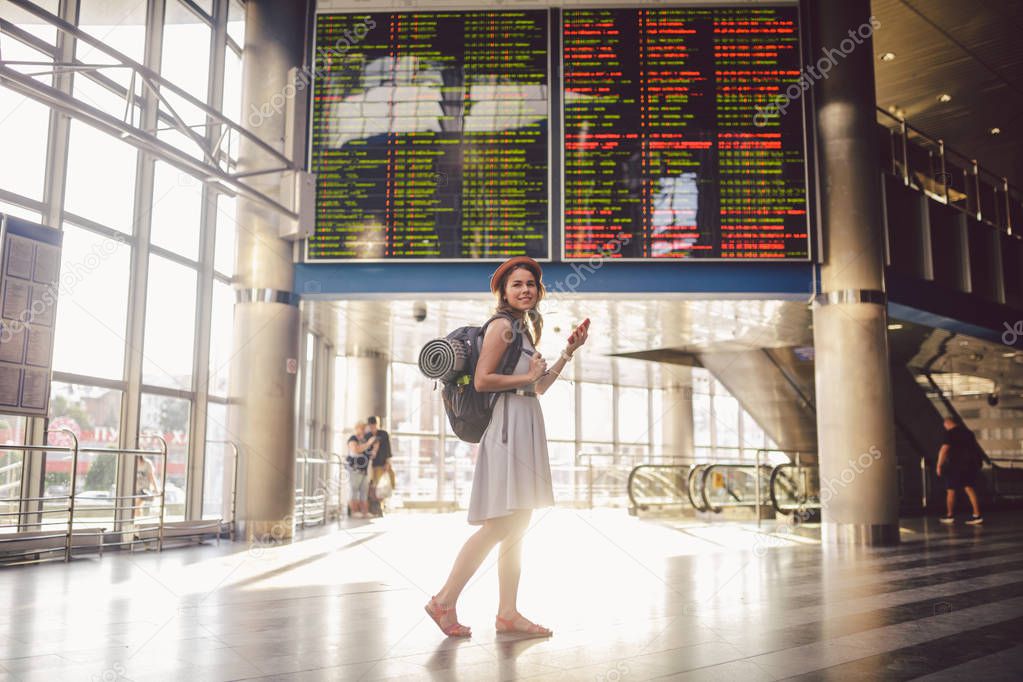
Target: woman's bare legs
(509,569)
(471,556)
(509,565)
(509,531)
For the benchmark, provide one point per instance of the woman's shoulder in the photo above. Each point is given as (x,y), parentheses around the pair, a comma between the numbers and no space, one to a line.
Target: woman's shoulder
(499,322)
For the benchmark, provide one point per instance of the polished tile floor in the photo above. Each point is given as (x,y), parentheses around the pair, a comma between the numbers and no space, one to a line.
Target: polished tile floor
(628,599)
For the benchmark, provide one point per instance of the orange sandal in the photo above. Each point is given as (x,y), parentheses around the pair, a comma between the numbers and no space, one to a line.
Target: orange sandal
(438,613)
(532,629)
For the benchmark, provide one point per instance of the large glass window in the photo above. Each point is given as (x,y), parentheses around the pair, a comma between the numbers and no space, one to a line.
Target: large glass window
(597,412)
(232,108)
(414,404)
(703,433)
(120,25)
(177,211)
(93,414)
(223,259)
(218,477)
(27,22)
(20,212)
(104,197)
(633,416)
(12,432)
(101,187)
(92,305)
(559,411)
(186,57)
(24,124)
(416,464)
(170,325)
(221,333)
(169,418)
(726,419)
(236,22)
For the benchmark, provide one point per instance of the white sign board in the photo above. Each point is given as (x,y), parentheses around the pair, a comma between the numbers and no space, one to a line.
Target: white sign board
(29,280)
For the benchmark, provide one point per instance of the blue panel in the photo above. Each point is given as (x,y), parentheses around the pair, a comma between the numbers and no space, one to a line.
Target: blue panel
(40,233)
(930,304)
(759,280)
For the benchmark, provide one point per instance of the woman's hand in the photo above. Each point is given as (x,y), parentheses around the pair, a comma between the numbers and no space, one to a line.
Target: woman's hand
(578,337)
(537,367)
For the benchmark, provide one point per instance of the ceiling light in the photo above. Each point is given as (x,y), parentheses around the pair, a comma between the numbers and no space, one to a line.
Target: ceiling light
(887,56)
(944,97)
(894,327)
(1009,355)
(995,131)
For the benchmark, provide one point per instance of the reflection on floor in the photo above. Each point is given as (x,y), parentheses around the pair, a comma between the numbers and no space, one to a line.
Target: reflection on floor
(628,599)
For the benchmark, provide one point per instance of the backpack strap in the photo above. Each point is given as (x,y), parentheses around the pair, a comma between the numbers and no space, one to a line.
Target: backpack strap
(507,366)
(511,354)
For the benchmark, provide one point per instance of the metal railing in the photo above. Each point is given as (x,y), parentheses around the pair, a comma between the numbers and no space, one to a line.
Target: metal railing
(945,175)
(318,492)
(37,532)
(611,480)
(34,529)
(232,524)
(1006,478)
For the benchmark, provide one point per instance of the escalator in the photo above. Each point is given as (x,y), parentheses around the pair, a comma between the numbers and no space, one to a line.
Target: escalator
(714,487)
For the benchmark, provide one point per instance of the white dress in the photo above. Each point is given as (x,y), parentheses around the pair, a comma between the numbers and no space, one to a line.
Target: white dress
(513,470)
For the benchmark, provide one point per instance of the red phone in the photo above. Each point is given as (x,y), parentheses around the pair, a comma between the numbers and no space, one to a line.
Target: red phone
(584,325)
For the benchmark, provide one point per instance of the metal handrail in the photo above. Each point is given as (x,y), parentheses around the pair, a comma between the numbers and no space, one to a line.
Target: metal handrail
(717,508)
(327,459)
(234,484)
(801,499)
(69,499)
(1001,186)
(590,479)
(632,475)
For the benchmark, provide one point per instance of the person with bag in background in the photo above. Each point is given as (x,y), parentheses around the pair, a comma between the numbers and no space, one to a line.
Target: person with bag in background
(357,463)
(381,460)
(512,475)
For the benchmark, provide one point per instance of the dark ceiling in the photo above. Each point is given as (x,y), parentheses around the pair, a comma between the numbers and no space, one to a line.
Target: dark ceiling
(969,49)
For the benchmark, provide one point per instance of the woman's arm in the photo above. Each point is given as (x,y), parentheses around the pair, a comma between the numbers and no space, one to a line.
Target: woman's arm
(548,379)
(575,340)
(495,343)
(942,456)
(360,448)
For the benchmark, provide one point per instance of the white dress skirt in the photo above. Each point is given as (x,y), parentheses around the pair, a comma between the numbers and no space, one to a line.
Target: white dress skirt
(513,470)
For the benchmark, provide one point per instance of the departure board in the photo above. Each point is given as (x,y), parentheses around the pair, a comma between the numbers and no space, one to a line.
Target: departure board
(429,135)
(671,147)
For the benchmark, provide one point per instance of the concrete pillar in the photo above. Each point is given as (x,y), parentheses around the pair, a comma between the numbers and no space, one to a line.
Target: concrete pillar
(266,316)
(678,413)
(367,348)
(855,431)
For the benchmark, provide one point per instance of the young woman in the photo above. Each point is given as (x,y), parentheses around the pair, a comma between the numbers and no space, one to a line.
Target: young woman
(512,475)
(357,464)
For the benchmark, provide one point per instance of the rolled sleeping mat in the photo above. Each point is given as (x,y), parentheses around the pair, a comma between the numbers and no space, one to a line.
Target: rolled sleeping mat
(443,359)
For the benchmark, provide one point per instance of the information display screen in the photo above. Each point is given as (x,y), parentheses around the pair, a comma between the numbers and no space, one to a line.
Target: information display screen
(671,147)
(429,135)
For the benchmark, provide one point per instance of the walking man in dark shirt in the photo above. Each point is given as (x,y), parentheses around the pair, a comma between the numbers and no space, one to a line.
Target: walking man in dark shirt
(382,457)
(959,461)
